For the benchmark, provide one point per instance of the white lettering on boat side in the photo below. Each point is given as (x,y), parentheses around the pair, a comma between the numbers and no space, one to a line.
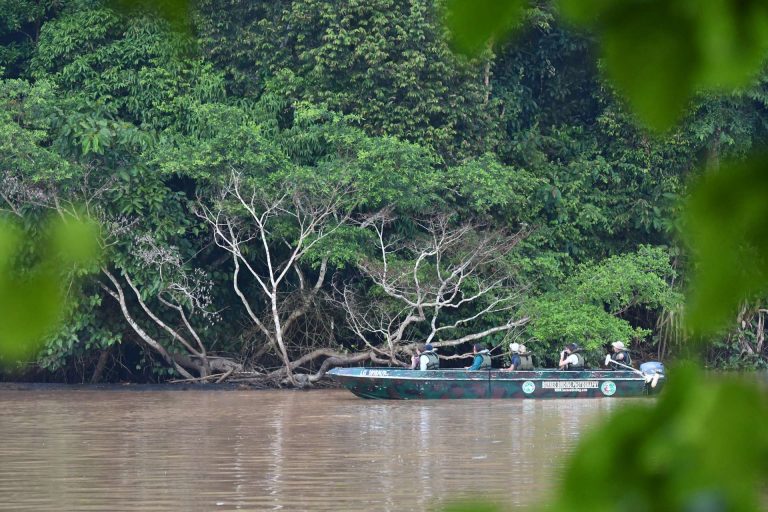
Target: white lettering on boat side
(376,373)
(569,385)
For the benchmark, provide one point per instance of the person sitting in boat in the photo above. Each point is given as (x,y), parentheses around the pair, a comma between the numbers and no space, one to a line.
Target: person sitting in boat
(521,359)
(620,355)
(482,359)
(571,358)
(526,360)
(425,358)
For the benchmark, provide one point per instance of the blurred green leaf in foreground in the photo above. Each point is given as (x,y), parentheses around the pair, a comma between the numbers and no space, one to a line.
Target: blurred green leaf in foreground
(701,447)
(177,12)
(473,24)
(659,53)
(33,276)
(727,230)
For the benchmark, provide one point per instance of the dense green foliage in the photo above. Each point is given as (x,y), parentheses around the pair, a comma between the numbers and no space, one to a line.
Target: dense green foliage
(358,105)
(588,308)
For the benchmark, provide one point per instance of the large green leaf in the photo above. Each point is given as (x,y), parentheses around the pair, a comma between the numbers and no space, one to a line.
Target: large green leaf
(652,61)
(32,282)
(175,11)
(474,23)
(727,228)
(702,446)
(661,52)
(658,52)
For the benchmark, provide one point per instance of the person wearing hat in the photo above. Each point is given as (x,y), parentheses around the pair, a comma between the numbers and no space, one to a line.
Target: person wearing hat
(571,358)
(426,358)
(620,355)
(482,359)
(526,361)
(521,359)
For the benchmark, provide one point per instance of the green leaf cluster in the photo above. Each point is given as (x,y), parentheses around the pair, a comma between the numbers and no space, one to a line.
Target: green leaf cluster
(592,306)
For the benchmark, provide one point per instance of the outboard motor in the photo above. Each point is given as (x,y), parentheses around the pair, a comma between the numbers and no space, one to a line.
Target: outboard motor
(652,371)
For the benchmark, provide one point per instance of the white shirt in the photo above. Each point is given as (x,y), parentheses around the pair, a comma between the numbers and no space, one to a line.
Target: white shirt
(423,362)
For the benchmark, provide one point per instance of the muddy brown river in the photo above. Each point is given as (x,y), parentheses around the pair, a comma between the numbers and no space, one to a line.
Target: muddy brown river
(152,450)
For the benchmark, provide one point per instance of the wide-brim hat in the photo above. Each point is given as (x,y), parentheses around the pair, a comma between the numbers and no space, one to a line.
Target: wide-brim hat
(514,347)
(618,344)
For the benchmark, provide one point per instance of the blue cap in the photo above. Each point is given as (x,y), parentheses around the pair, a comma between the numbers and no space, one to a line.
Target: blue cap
(428,346)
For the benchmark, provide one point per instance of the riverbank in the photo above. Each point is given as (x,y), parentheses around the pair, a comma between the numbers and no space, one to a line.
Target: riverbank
(326,384)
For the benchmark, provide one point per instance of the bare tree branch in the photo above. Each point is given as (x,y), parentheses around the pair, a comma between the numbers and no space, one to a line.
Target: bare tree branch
(445,267)
(119,296)
(245,221)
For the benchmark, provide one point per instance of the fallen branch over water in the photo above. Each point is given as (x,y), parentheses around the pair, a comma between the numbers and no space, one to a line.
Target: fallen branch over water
(201,379)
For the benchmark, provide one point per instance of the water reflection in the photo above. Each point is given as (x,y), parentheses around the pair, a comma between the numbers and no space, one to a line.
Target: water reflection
(323,450)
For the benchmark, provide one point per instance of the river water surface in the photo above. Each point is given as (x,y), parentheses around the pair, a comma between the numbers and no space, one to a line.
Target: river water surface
(95,449)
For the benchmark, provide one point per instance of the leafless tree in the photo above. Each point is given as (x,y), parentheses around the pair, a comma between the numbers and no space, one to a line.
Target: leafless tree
(446,270)
(267,235)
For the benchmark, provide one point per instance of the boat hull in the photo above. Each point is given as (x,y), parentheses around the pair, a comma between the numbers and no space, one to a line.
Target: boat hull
(398,384)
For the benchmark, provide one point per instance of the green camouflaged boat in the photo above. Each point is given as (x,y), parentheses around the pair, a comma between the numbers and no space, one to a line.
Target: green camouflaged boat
(401,384)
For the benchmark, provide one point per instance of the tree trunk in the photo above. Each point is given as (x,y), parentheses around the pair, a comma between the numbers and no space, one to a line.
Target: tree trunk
(713,152)
(98,372)
(279,338)
(487,72)
(119,296)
